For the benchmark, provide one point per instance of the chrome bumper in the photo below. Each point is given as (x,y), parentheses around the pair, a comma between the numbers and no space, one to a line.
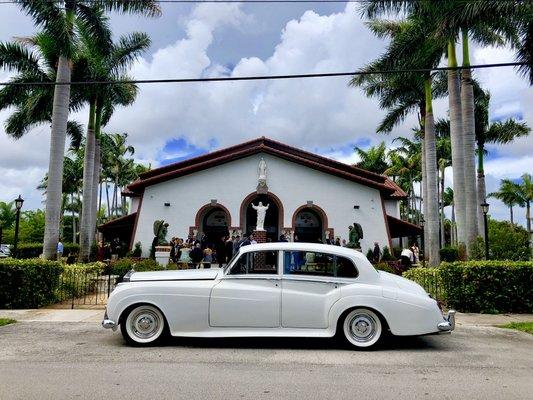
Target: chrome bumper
(109,324)
(448,324)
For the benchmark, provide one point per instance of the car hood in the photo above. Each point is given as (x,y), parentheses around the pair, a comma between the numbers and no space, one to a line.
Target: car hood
(181,275)
(396,281)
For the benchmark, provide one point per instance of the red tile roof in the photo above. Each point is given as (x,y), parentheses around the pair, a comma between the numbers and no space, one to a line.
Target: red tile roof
(268,146)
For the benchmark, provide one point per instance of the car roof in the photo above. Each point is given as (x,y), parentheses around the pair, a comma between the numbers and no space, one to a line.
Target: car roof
(318,247)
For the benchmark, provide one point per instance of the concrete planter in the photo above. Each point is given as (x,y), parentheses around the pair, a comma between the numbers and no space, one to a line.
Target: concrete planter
(162,255)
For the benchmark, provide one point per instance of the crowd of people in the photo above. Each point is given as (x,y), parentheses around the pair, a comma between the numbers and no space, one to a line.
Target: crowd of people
(193,252)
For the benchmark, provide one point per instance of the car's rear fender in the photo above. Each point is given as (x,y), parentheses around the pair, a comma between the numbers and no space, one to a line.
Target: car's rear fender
(402,318)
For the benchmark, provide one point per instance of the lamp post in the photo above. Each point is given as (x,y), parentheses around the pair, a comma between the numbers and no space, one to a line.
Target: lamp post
(19,201)
(485,209)
(422,244)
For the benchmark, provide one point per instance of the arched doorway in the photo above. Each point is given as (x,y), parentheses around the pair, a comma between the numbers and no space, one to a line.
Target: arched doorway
(308,225)
(215,223)
(272,218)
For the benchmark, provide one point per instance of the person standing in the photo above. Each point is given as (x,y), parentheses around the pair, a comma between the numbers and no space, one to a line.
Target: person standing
(220,248)
(60,249)
(376,253)
(236,244)
(208,256)
(229,249)
(406,258)
(416,253)
(197,255)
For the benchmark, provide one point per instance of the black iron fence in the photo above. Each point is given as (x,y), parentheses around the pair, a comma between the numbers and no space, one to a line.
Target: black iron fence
(85,287)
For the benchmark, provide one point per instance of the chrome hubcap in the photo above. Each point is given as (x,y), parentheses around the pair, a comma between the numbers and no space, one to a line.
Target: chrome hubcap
(145,324)
(362,327)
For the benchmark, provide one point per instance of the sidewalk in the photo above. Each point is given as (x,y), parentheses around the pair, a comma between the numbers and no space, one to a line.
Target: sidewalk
(55,315)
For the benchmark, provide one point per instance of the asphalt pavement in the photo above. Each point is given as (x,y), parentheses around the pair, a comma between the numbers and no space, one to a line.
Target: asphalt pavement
(80,360)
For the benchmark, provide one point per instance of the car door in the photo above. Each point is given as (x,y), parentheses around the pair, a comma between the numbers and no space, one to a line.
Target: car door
(249,293)
(309,289)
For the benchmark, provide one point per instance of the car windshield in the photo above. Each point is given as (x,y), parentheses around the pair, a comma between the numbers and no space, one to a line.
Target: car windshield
(231,261)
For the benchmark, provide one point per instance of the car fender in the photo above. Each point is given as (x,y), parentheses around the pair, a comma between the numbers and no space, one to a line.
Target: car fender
(403,319)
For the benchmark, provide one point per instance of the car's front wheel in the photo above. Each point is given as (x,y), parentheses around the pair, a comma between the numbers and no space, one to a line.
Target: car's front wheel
(362,328)
(143,325)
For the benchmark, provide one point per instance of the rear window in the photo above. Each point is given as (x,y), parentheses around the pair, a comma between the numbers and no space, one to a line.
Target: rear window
(318,264)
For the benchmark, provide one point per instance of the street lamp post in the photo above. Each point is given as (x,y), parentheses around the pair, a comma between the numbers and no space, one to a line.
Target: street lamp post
(485,209)
(422,243)
(19,201)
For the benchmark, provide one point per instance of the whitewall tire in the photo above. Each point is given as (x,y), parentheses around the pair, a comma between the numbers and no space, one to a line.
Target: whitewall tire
(362,328)
(143,325)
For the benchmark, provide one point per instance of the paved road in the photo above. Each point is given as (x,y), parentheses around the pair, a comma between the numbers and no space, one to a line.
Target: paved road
(44,360)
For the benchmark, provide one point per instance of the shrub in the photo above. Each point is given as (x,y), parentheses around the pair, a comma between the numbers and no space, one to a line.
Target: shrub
(28,283)
(429,279)
(480,286)
(78,280)
(34,250)
(385,267)
(449,254)
(387,256)
(508,241)
(489,286)
(123,265)
(370,255)
(477,250)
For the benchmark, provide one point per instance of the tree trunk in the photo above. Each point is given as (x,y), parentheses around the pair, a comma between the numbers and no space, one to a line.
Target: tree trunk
(73,218)
(528,222)
(94,194)
(456,136)
(481,191)
(453,232)
(442,228)
(469,146)
(58,134)
(511,214)
(432,218)
(107,196)
(88,172)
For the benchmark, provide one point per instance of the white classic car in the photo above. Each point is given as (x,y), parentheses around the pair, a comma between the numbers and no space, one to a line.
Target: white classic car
(275,289)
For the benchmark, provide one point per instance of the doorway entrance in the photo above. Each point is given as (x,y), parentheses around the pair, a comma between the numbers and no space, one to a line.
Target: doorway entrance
(215,224)
(308,226)
(271,218)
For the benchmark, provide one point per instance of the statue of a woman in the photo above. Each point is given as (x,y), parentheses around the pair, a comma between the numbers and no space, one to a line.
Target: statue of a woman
(261,213)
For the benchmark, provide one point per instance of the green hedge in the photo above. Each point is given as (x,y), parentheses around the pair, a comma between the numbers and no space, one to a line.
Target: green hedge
(123,265)
(78,280)
(34,250)
(480,286)
(449,253)
(28,283)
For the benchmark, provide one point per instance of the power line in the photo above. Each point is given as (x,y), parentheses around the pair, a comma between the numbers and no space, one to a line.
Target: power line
(263,77)
(232,1)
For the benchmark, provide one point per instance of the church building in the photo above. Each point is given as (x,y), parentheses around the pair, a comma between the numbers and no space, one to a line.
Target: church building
(309,198)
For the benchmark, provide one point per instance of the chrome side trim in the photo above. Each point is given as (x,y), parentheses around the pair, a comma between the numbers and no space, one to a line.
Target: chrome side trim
(448,324)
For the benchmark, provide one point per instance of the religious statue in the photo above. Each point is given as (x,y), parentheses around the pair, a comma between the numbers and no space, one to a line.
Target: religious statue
(262,176)
(160,234)
(261,213)
(355,235)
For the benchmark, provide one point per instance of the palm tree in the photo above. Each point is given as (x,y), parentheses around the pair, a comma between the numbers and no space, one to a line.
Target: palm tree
(374,159)
(444,160)
(509,194)
(58,20)
(403,54)
(525,191)
(8,214)
(486,22)
(500,132)
(447,200)
(104,64)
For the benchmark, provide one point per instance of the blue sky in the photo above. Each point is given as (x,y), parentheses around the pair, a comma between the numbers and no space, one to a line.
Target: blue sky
(169,123)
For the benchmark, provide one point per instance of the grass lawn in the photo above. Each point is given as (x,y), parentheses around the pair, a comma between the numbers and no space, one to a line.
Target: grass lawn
(6,321)
(521,326)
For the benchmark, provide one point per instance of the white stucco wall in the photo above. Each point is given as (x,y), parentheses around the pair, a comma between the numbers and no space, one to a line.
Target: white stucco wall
(392,208)
(135,201)
(292,183)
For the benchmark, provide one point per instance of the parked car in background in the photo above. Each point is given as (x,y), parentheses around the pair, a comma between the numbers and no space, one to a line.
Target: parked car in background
(276,289)
(4,251)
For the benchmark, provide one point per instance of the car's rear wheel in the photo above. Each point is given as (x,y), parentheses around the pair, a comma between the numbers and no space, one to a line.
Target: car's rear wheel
(143,325)
(362,328)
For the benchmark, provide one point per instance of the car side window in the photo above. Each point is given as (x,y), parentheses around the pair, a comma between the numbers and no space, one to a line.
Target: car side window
(256,262)
(318,264)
